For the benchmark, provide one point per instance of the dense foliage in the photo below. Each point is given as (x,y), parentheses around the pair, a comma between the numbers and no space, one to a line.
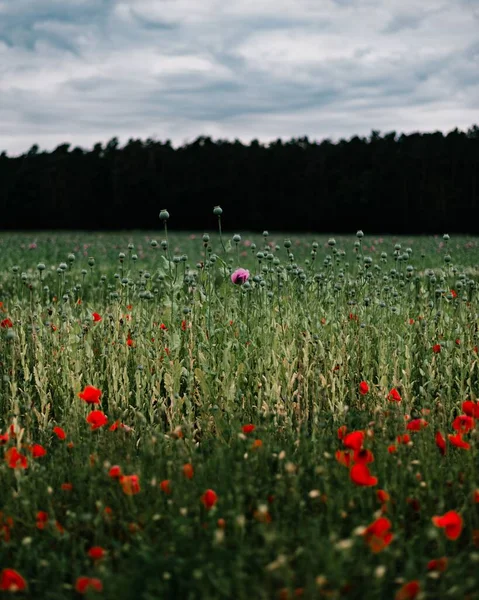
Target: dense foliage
(417,183)
(175,427)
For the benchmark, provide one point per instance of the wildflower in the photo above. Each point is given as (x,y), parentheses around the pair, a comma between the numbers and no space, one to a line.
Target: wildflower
(408,591)
(165,486)
(360,475)
(188,471)
(456,440)
(67,487)
(452,523)
(96,552)
(363,456)
(91,395)
(37,450)
(115,472)
(130,484)
(248,428)
(343,457)
(184,325)
(471,409)
(11,581)
(403,439)
(85,584)
(382,496)
(475,496)
(463,423)
(4,437)
(42,519)
(256,444)
(377,535)
(437,564)
(342,432)
(59,432)
(363,388)
(96,317)
(129,341)
(97,419)
(436,348)
(440,442)
(209,499)
(354,440)
(6,323)
(417,424)
(15,460)
(240,276)
(394,395)
(392,449)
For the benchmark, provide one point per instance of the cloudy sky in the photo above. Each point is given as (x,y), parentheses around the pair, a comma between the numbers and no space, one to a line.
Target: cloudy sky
(83,71)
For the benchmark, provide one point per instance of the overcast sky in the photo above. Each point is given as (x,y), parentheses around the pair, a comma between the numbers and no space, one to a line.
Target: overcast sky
(83,71)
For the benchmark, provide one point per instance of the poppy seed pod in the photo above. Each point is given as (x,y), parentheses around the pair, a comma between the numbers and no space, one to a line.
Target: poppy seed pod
(164,214)
(218,211)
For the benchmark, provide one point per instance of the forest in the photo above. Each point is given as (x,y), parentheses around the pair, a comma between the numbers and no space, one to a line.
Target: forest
(383,183)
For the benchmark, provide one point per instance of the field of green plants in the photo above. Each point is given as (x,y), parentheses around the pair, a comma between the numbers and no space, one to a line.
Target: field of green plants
(238,416)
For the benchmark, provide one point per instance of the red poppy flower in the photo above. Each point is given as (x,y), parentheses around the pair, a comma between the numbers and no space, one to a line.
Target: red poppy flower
(342,432)
(363,456)
(15,460)
(37,450)
(91,395)
(115,472)
(4,437)
(6,323)
(11,581)
(97,419)
(377,535)
(163,326)
(471,408)
(463,423)
(130,484)
(165,486)
(59,432)
(363,388)
(454,293)
(188,471)
(394,395)
(452,523)
(360,475)
(417,425)
(248,428)
(184,325)
(129,341)
(408,591)
(85,584)
(67,487)
(382,496)
(256,444)
(456,440)
(392,449)
(96,317)
(436,348)
(96,552)
(440,442)
(354,440)
(343,457)
(475,496)
(42,519)
(209,499)
(403,439)
(437,564)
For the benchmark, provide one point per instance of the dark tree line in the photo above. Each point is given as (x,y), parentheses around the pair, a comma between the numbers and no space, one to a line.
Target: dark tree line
(415,183)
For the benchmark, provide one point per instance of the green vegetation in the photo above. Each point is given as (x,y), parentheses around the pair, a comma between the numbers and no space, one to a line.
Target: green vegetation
(185,359)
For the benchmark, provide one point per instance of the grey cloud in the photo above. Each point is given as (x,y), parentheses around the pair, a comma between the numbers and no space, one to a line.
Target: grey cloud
(84,71)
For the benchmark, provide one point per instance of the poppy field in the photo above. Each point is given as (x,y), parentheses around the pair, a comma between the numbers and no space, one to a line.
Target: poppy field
(238,416)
